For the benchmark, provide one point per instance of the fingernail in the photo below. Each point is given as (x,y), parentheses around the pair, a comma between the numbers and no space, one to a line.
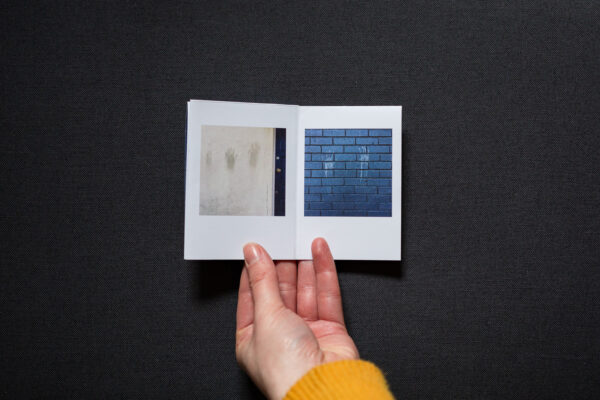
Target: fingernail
(251,253)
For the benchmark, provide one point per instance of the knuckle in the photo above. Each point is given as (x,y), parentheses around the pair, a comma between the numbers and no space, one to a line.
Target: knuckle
(307,287)
(257,276)
(286,287)
(330,296)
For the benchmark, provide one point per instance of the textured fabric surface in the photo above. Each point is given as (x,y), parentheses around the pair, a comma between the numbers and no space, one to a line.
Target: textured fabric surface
(498,292)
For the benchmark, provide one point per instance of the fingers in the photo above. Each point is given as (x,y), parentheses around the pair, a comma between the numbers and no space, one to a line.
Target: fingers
(286,273)
(311,290)
(329,299)
(306,304)
(245,307)
(262,277)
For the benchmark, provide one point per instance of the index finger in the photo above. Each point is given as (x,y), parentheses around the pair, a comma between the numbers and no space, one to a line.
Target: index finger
(329,297)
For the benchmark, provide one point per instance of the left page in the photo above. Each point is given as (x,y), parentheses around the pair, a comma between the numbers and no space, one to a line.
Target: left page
(240,179)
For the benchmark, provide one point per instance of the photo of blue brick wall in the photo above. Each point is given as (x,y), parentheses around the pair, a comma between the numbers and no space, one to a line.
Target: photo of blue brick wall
(348,172)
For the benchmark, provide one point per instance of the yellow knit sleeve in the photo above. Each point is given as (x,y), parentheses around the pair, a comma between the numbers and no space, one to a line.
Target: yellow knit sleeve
(348,379)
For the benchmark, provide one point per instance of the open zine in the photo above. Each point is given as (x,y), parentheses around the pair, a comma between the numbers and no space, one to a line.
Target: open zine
(282,175)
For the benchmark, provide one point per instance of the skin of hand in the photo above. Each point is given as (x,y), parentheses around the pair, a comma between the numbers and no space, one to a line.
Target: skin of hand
(289,318)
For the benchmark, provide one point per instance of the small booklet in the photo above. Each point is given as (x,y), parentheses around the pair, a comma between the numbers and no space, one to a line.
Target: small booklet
(283,175)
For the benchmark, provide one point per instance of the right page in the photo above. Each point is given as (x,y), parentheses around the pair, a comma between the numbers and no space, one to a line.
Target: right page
(351,160)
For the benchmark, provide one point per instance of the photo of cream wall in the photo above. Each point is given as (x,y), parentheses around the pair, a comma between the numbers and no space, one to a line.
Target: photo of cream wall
(242,171)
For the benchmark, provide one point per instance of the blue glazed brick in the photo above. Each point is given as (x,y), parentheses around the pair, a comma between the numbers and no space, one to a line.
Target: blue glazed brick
(312,213)
(379,149)
(363,205)
(366,189)
(312,182)
(385,206)
(333,181)
(312,197)
(368,174)
(333,132)
(355,149)
(317,205)
(386,157)
(307,157)
(355,213)
(344,173)
(313,165)
(355,181)
(355,197)
(333,197)
(345,157)
(343,140)
(385,140)
(357,132)
(343,206)
(366,141)
(320,189)
(380,132)
(313,132)
(384,190)
(307,173)
(380,213)
(312,149)
(305,189)
(332,149)
(306,140)
(320,140)
(322,157)
(334,165)
(380,182)
(319,173)
(357,165)
(381,165)
(380,198)
(343,189)
(367,157)
(385,174)
(330,213)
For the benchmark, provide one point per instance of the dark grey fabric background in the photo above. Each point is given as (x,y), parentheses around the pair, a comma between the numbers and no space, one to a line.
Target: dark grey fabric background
(498,292)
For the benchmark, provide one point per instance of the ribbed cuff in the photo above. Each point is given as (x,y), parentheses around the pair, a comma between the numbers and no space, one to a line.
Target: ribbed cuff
(347,379)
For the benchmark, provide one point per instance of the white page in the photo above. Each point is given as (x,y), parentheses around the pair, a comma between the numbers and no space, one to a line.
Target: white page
(213,235)
(222,236)
(352,237)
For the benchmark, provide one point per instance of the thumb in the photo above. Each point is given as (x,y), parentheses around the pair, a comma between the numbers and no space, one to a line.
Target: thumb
(263,278)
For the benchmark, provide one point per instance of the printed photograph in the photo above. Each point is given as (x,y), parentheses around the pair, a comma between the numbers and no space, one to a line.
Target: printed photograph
(242,171)
(348,173)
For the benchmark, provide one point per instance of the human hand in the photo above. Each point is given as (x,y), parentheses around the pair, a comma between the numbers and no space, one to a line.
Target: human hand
(289,318)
